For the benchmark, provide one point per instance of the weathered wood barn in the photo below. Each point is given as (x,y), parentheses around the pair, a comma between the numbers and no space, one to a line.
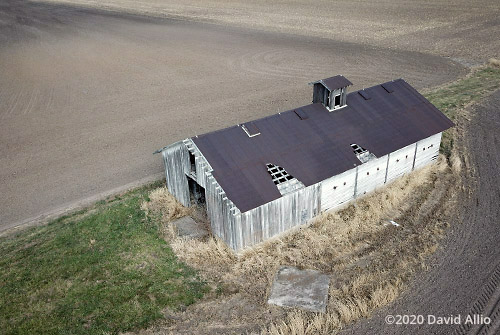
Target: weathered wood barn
(263,177)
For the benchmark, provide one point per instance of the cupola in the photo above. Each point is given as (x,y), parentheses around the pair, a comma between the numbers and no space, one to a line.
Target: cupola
(331,92)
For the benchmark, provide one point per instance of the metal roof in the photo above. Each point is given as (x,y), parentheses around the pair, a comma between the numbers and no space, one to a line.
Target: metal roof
(334,82)
(313,144)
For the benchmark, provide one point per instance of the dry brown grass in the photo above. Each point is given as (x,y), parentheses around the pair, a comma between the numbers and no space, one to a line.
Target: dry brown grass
(163,208)
(369,260)
(494,62)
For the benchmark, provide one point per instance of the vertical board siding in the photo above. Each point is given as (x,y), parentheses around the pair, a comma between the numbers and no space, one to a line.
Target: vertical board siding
(334,192)
(176,160)
(220,212)
(431,152)
(400,162)
(371,175)
(278,216)
(220,209)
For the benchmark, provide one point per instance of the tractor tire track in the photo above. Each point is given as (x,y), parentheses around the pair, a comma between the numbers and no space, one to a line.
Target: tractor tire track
(487,305)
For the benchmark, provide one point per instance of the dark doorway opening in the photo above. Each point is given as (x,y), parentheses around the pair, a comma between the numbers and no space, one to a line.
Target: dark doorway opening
(197,192)
(337,101)
(192,160)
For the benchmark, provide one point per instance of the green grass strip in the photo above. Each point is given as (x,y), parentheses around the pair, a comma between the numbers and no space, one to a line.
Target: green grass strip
(103,270)
(456,96)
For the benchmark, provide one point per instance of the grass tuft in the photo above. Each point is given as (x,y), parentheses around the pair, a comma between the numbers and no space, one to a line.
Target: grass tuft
(494,62)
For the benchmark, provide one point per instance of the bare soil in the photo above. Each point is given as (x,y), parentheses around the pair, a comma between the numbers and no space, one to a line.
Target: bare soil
(87,95)
(465,30)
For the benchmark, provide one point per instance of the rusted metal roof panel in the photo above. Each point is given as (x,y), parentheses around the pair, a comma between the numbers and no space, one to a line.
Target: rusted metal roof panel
(318,147)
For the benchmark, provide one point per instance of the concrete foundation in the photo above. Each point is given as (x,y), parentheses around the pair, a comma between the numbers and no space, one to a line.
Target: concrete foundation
(305,289)
(188,228)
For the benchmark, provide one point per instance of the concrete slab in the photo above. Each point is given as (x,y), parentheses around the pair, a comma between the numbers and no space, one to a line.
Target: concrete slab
(305,289)
(187,227)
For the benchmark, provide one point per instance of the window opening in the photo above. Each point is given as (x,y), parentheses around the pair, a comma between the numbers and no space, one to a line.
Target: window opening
(336,101)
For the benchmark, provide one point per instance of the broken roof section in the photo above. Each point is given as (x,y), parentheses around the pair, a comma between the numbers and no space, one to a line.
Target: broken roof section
(334,82)
(319,146)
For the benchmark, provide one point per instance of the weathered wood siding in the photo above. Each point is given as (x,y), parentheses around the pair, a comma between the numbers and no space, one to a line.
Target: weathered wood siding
(319,92)
(371,175)
(241,230)
(366,177)
(221,213)
(176,160)
(431,152)
(338,189)
(277,216)
(400,162)
(220,210)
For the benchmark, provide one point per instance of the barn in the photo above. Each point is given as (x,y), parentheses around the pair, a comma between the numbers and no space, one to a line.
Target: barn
(263,177)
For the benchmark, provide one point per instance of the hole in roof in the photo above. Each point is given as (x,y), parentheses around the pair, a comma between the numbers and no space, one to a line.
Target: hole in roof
(278,174)
(283,180)
(358,149)
(361,153)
